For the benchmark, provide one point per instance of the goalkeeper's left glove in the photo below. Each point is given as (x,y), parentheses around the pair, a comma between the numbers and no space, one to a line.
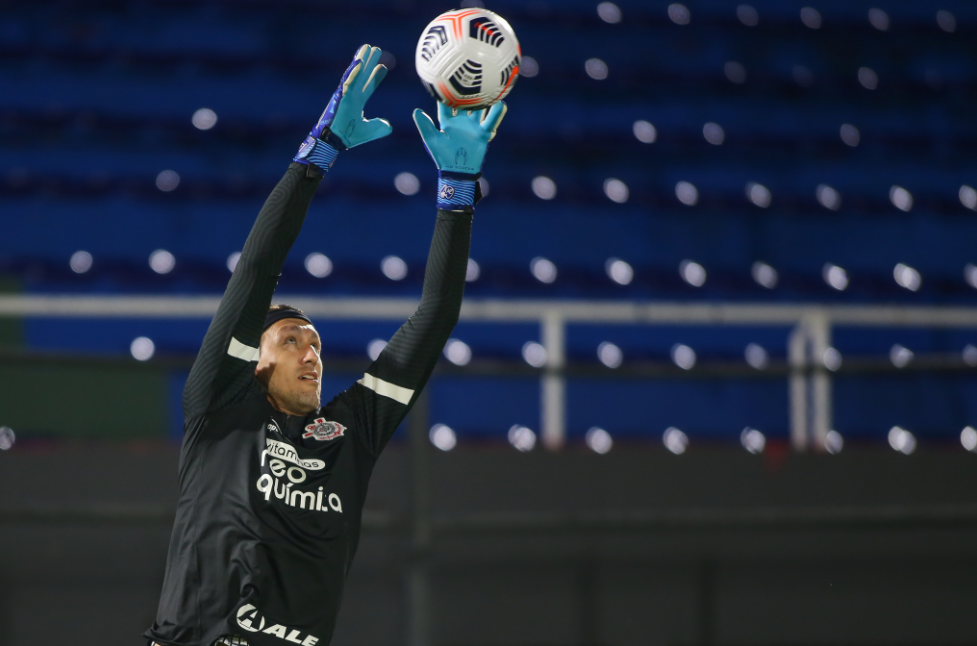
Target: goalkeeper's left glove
(342,124)
(458,150)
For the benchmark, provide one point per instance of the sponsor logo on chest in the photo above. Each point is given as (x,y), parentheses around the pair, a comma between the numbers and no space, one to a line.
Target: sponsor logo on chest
(323,430)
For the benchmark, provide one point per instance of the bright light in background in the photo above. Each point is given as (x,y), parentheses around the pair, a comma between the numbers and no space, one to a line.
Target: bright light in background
(7,438)
(534,354)
(970,355)
(803,76)
(232,261)
(968,197)
(598,440)
(868,78)
(835,276)
(318,264)
(850,135)
(543,270)
(811,18)
(457,352)
(683,356)
(735,72)
(529,67)
(748,15)
(833,442)
(692,272)
(393,268)
(443,437)
(764,275)
(407,183)
(473,271)
(831,359)
(970,275)
(687,194)
(619,271)
(610,355)
(616,190)
(204,119)
(609,12)
(675,440)
(81,262)
(522,438)
(645,132)
(878,19)
(901,198)
(756,356)
(162,261)
(714,133)
(375,347)
(907,277)
(900,356)
(484,185)
(828,197)
(596,69)
(544,188)
(968,438)
(946,21)
(902,440)
(758,194)
(753,440)
(142,348)
(679,14)
(167,180)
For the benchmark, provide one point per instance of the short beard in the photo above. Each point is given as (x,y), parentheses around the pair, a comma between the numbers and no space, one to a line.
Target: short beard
(294,402)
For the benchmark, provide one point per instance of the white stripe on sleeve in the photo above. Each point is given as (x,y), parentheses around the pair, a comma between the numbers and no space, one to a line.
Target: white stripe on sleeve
(240,351)
(387,389)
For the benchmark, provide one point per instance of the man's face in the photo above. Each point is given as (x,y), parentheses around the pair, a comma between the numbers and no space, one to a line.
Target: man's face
(290,366)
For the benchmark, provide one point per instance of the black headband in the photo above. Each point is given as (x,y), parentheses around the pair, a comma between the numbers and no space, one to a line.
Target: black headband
(287,313)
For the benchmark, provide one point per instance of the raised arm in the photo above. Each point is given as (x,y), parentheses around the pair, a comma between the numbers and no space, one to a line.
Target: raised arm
(391,385)
(224,369)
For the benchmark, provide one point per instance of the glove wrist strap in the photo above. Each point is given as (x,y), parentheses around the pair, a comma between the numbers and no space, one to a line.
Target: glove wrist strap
(456,191)
(318,152)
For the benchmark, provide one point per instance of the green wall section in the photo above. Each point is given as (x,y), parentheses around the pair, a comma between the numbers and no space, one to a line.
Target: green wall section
(78,401)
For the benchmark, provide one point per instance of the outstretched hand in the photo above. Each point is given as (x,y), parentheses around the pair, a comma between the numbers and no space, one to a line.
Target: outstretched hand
(459,145)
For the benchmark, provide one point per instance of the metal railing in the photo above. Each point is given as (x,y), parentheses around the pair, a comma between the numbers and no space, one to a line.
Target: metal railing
(810,379)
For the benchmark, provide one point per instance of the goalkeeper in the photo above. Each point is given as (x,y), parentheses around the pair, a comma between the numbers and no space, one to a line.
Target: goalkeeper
(272,482)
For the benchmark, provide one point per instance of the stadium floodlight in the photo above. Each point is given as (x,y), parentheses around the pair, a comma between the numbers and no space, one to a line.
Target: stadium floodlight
(811,18)
(162,261)
(167,180)
(610,355)
(946,21)
(850,135)
(318,264)
(868,78)
(753,440)
(835,276)
(758,194)
(204,119)
(407,183)
(735,72)
(609,12)
(394,268)
(907,277)
(968,197)
(619,271)
(457,352)
(598,440)
(522,438)
(828,197)
(900,355)
(142,348)
(543,269)
(902,440)
(7,438)
(970,355)
(901,198)
(833,442)
(831,359)
(679,14)
(878,19)
(644,131)
(764,274)
(675,440)
(473,271)
(529,68)
(443,437)
(687,193)
(596,69)
(232,261)
(534,354)
(756,356)
(544,188)
(714,133)
(375,347)
(683,356)
(692,272)
(748,15)
(80,262)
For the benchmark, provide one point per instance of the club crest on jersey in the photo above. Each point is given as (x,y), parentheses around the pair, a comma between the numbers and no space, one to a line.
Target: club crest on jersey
(323,430)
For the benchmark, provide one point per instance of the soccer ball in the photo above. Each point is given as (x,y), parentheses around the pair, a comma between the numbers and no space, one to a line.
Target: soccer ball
(468,58)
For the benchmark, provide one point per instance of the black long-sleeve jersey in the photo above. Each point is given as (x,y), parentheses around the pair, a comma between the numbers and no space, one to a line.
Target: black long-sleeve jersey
(268,518)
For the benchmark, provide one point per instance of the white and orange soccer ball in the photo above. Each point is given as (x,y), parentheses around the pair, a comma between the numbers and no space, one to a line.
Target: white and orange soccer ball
(468,58)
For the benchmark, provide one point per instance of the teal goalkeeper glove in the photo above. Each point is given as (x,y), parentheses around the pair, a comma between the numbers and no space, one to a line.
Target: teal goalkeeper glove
(342,124)
(458,149)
